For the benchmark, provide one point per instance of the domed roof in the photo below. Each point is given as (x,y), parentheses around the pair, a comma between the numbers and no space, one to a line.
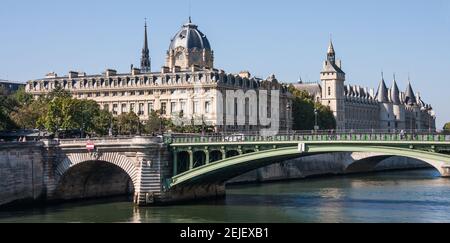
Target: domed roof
(189,37)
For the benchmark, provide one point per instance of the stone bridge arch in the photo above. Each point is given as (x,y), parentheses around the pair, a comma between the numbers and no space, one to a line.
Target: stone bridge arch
(72,160)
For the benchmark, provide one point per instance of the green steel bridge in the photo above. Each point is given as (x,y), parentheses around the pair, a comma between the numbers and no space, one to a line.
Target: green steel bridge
(216,159)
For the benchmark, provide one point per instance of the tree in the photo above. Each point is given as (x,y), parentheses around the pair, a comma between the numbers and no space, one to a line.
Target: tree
(154,123)
(28,116)
(128,123)
(303,112)
(447,127)
(103,122)
(22,97)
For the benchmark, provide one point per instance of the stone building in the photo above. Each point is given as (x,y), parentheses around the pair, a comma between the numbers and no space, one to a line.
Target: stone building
(358,108)
(188,86)
(9,87)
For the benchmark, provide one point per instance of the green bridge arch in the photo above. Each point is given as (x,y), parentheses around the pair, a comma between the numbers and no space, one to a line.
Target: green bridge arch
(223,170)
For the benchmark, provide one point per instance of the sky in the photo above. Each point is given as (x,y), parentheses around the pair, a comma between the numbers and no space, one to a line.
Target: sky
(288,38)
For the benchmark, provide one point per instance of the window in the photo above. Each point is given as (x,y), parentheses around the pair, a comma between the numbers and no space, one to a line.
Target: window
(183,106)
(124,108)
(163,108)
(106,107)
(150,108)
(115,109)
(207,107)
(106,94)
(329,91)
(114,94)
(141,109)
(196,107)
(173,107)
(132,106)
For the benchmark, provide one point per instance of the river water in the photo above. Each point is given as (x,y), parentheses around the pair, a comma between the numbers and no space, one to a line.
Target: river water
(400,196)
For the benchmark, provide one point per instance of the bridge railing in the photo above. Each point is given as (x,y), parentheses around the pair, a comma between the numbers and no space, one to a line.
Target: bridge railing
(311,137)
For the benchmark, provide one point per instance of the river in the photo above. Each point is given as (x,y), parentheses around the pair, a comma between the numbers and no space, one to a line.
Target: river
(399,196)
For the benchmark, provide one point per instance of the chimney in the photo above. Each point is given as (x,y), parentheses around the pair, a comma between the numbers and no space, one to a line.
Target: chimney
(135,71)
(111,72)
(73,74)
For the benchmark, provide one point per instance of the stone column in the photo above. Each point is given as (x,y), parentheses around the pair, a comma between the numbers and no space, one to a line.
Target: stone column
(224,152)
(175,163)
(191,159)
(207,156)
(240,150)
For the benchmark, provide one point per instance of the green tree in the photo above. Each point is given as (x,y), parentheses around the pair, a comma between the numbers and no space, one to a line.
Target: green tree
(303,111)
(128,123)
(103,122)
(8,104)
(60,115)
(154,123)
(22,97)
(447,127)
(28,116)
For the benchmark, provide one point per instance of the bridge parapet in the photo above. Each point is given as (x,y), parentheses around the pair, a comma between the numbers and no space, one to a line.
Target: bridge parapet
(367,137)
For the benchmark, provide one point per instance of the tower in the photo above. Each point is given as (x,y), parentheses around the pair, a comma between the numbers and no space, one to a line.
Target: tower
(386,107)
(145,58)
(333,79)
(398,108)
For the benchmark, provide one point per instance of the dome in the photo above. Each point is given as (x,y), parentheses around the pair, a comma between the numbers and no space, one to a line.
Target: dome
(189,37)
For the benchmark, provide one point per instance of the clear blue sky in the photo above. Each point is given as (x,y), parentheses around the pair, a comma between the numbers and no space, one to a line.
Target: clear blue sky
(285,37)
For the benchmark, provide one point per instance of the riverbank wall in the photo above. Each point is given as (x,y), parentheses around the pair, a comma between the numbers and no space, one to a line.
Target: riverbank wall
(21,172)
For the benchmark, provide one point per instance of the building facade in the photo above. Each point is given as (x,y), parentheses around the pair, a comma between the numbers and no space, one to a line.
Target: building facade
(358,108)
(9,87)
(188,86)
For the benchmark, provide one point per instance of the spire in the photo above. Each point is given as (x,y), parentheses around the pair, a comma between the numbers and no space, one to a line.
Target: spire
(395,93)
(382,94)
(331,54)
(331,47)
(410,97)
(145,58)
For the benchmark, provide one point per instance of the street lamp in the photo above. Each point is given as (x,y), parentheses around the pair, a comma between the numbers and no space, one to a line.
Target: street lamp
(288,117)
(203,125)
(316,126)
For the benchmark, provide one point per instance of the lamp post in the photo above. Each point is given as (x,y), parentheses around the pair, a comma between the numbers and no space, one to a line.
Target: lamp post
(288,117)
(160,123)
(316,113)
(110,132)
(203,125)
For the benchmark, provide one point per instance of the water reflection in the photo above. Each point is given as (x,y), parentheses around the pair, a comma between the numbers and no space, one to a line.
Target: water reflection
(412,196)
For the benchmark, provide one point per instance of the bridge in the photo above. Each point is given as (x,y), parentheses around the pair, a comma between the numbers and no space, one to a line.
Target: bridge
(175,168)
(216,159)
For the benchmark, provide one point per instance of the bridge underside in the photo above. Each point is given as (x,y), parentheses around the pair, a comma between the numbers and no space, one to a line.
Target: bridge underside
(223,170)
(93,179)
